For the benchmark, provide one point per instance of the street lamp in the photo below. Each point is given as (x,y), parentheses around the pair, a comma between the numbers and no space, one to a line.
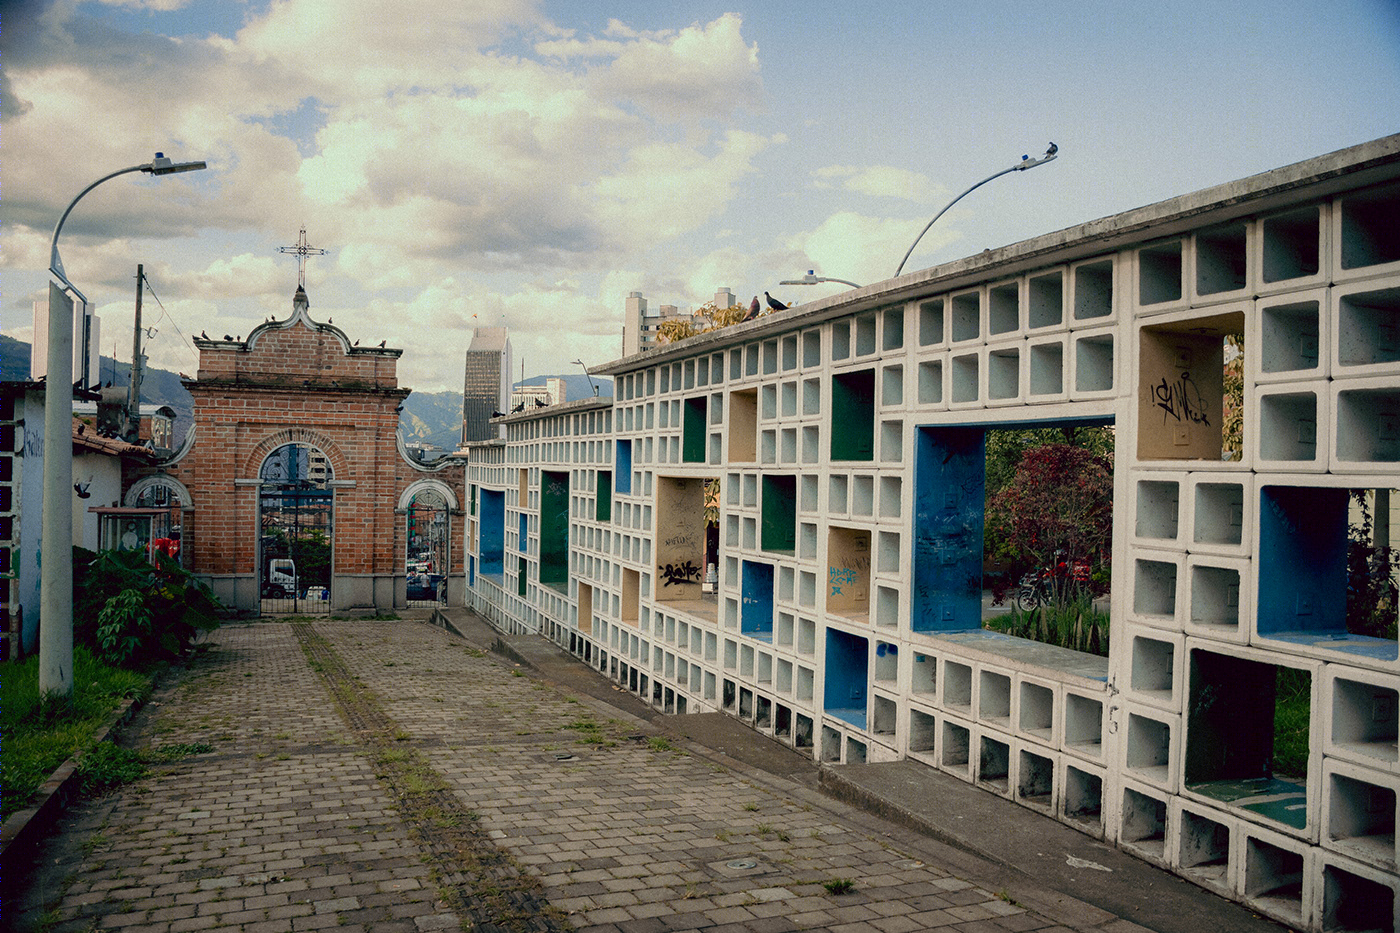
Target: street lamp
(1026,163)
(811,278)
(590,377)
(56,572)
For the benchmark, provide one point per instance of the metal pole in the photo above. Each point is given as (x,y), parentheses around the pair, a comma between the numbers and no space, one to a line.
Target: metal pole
(133,394)
(56,555)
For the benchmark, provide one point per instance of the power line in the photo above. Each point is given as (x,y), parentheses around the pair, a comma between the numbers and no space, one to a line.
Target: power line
(167,316)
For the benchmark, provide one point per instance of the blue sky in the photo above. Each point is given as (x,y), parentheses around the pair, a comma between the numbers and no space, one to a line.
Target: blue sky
(530,163)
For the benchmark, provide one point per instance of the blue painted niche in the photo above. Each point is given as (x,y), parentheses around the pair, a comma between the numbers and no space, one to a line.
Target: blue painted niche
(493,533)
(622,466)
(1303,571)
(950,477)
(847,663)
(756,594)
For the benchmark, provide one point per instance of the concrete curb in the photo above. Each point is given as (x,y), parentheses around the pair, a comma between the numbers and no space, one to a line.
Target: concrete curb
(23,829)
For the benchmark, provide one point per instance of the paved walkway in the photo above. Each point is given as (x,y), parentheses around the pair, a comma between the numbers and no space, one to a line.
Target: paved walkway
(369,775)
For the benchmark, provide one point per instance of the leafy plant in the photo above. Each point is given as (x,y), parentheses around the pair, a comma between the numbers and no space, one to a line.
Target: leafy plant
(1371,572)
(839,886)
(132,612)
(1076,625)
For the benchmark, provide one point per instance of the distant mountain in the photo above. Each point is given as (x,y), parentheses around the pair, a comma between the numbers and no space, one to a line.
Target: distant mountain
(433,418)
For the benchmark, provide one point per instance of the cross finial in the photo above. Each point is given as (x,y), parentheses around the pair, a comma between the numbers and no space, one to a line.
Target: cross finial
(301,251)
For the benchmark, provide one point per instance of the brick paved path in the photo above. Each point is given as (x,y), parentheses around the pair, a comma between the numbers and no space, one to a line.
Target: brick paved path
(390,776)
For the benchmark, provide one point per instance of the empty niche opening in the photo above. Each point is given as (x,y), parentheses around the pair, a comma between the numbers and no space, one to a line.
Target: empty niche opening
(1083,724)
(1368,425)
(1183,397)
(1369,233)
(831,744)
(1290,245)
(847,663)
(743,426)
(1047,375)
(1037,710)
(1353,902)
(994,698)
(763,713)
(1003,308)
(1326,569)
(967,316)
(924,678)
(1035,779)
(631,596)
(1203,850)
(848,573)
(746,704)
(789,352)
(782,721)
(931,382)
(1220,259)
(585,608)
(956,746)
(886,715)
(1093,363)
(731,694)
(931,323)
(1247,730)
(865,335)
(1364,720)
(1273,877)
(811,348)
(1144,823)
(778,531)
(840,340)
(1083,796)
(603,510)
(1159,273)
(756,613)
(1288,426)
(994,764)
(855,751)
(1093,290)
(1152,668)
(923,733)
(1219,513)
(1148,749)
(802,732)
(1215,596)
(853,408)
(1004,373)
(1361,819)
(1046,300)
(1288,337)
(957,686)
(964,375)
(886,663)
(1158,508)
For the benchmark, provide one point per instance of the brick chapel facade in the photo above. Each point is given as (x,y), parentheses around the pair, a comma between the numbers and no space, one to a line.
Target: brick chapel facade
(303,383)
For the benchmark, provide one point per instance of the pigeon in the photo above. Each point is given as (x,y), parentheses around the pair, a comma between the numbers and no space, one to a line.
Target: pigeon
(540,403)
(203,335)
(82,488)
(81,428)
(381,344)
(774,303)
(753,309)
(1052,150)
(228,338)
(498,414)
(356,343)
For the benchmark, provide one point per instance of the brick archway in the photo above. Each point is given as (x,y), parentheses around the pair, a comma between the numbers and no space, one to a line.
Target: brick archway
(253,464)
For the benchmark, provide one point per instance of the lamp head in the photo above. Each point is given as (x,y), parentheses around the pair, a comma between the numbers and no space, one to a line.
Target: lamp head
(160,165)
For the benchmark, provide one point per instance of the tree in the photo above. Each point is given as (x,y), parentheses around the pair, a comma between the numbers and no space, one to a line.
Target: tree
(1057,508)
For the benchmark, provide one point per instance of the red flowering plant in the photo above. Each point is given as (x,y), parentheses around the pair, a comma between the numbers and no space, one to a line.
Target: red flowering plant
(1056,513)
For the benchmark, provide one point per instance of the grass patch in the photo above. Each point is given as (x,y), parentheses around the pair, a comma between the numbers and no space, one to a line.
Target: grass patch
(1292,713)
(838,886)
(39,734)
(1074,625)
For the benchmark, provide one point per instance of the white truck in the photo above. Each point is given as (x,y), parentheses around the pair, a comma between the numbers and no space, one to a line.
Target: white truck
(281,580)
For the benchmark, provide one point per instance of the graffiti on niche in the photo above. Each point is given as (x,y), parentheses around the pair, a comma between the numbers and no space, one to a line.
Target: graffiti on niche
(841,576)
(679,573)
(1180,400)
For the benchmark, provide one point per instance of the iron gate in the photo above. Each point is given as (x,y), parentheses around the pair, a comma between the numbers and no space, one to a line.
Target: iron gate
(295,509)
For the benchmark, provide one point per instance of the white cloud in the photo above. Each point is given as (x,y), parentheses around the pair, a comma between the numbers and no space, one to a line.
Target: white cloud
(866,249)
(883,181)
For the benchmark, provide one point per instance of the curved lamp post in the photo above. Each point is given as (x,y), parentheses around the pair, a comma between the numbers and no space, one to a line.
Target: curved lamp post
(812,279)
(56,573)
(1026,163)
(589,375)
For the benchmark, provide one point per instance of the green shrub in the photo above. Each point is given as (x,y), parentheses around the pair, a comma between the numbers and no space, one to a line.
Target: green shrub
(133,613)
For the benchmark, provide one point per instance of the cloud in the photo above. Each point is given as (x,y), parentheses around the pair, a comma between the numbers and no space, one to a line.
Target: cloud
(866,249)
(881,181)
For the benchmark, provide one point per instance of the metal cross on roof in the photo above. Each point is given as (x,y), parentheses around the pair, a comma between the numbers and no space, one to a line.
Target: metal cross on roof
(301,251)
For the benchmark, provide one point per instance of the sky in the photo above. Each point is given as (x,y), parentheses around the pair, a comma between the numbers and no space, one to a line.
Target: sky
(529,163)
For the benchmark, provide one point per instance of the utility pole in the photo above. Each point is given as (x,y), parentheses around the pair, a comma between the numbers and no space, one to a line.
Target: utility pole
(133,392)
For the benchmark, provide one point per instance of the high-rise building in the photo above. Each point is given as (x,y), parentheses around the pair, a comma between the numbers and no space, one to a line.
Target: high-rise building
(639,326)
(486,387)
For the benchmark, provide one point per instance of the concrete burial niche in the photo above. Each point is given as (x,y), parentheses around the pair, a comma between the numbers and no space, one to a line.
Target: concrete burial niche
(950,473)
(554,529)
(493,533)
(680,546)
(848,573)
(1180,387)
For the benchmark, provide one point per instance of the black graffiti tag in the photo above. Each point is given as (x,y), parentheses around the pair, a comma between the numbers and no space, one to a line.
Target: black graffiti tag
(679,573)
(1181,400)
